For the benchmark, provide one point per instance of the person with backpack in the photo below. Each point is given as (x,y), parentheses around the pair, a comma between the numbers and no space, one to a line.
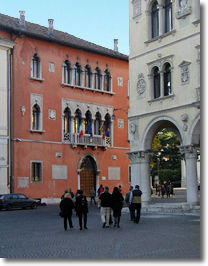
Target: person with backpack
(135,202)
(66,206)
(117,204)
(100,190)
(81,207)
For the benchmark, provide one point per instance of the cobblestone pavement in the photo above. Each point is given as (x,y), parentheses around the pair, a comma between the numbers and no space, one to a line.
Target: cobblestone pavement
(39,233)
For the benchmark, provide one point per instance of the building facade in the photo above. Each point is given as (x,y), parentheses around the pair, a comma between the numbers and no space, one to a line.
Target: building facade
(70,104)
(164,84)
(5,89)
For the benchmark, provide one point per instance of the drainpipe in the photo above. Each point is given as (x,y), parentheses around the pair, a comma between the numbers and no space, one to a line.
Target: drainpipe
(10,116)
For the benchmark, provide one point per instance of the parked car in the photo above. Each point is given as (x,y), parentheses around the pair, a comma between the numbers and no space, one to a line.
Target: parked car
(16,201)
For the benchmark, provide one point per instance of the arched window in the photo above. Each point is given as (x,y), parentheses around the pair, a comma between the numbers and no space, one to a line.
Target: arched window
(88,77)
(167,79)
(67,75)
(77,121)
(67,120)
(36,117)
(98,79)
(168,15)
(88,123)
(107,125)
(155,19)
(77,74)
(156,82)
(97,124)
(35,66)
(107,80)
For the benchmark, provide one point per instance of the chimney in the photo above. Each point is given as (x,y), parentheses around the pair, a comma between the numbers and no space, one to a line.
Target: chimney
(116,45)
(50,26)
(22,19)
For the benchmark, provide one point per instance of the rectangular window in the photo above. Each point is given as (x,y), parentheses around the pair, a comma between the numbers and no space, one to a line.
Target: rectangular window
(36,171)
(129,176)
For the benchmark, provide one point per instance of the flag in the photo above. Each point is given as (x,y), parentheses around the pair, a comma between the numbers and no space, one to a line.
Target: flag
(102,129)
(107,132)
(89,128)
(80,129)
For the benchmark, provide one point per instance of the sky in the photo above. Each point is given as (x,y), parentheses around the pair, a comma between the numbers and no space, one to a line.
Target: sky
(97,21)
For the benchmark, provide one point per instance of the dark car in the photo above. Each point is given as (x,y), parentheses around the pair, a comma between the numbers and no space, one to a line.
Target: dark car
(16,201)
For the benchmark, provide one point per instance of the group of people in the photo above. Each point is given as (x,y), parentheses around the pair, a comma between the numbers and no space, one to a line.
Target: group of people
(166,188)
(106,203)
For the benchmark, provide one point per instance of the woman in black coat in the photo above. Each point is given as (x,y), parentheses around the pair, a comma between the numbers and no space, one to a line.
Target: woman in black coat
(66,206)
(81,208)
(117,204)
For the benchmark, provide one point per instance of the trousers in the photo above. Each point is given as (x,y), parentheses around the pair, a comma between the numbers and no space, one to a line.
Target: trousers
(105,215)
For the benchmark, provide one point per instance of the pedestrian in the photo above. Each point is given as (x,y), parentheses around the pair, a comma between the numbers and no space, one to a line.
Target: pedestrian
(127,197)
(135,201)
(117,204)
(162,190)
(92,196)
(81,207)
(158,189)
(100,190)
(71,193)
(66,191)
(120,189)
(105,204)
(66,206)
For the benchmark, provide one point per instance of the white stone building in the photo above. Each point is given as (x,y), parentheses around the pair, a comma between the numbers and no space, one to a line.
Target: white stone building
(164,84)
(5,89)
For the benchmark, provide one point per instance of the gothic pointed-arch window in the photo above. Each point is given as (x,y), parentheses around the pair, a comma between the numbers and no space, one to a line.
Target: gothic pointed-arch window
(67,72)
(88,123)
(155,19)
(67,121)
(88,77)
(36,66)
(107,125)
(36,117)
(77,74)
(156,82)
(77,121)
(167,79)
(97,79)
(97,124)
(168,15)
(107,80)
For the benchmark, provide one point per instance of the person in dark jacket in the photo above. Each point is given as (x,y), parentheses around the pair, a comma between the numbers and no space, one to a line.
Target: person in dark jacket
(127,197)
(105,202)
(117,204)
(135,201)
(66,206)
(81,206)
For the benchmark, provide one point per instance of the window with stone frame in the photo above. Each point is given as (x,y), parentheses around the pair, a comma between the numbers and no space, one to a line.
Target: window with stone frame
(36,171)
(67,72)
(77,74)
(88,123)
(77,121)
(97,124)
(168,16)
(67,121)
(88,77)
(36,117)
(155,19)
(36,66)
(107,81)
(156,82)
(97,79)
(167,80)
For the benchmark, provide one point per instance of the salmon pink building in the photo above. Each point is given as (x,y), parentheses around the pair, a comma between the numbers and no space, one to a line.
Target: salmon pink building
(69,110)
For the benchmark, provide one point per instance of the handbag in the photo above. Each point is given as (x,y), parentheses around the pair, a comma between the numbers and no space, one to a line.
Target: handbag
(61,214)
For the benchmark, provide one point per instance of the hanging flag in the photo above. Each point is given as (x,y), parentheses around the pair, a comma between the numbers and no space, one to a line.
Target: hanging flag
(102,129)
(80,129)
(107,132)
(89,128)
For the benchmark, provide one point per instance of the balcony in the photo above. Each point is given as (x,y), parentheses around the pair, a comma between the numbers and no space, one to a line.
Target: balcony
(86,140)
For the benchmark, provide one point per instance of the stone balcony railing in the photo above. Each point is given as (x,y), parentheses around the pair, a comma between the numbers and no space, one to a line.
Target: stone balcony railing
(86,140)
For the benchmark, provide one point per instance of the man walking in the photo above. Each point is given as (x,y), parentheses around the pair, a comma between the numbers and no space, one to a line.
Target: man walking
(105,202)
(135,202)
(81,208)
(127,197)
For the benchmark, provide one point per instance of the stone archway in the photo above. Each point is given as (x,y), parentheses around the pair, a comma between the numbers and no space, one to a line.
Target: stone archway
(87,174)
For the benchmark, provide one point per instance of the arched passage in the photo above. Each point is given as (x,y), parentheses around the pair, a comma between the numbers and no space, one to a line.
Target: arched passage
(87,174)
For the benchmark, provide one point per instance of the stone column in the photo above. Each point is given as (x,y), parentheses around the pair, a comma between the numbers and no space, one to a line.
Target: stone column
(140,173)
(190,153)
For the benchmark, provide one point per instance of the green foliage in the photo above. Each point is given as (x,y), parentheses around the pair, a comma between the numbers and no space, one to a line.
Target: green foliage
(166,160)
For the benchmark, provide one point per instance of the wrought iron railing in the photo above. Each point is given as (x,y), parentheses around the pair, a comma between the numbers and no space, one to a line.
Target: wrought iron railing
(87,140)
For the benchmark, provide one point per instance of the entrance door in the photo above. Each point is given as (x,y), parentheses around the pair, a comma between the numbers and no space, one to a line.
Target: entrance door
(87,175)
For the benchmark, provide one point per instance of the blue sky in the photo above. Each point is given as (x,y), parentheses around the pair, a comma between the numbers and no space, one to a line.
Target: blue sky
(97,21)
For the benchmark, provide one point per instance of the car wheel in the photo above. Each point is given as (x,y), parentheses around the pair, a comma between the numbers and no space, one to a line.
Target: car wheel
(8,207)
(34,206)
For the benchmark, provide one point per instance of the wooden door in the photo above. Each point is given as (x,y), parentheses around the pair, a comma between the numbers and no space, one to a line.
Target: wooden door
(87,181)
